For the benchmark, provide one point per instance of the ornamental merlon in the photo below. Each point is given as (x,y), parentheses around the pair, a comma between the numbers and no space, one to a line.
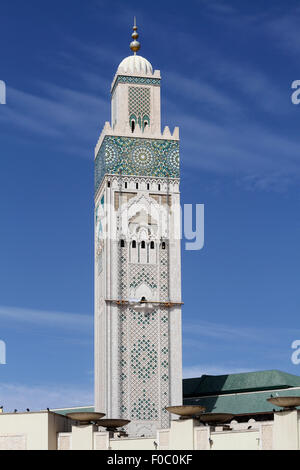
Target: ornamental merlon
(143,134)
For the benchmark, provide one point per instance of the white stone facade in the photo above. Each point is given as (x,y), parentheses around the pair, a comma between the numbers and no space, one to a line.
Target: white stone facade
(138,349)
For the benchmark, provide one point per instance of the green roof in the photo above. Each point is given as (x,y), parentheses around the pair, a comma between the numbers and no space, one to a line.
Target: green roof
(243,403)
(244,393)
(65,411)
(238,383)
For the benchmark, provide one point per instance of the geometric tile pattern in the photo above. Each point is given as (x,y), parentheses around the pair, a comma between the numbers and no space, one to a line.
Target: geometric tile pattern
(137,156)
(164,342)
(144,345)
(144,363)
(143,358)
(136,81)
(143,273)
(139,105)
(144,320)
(144,408)
(164,367)
(164,269)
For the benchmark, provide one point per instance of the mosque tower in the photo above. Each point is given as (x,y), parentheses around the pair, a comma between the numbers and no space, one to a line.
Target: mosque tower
(138,352)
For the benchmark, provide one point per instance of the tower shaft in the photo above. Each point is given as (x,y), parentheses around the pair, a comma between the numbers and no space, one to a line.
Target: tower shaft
(137,256)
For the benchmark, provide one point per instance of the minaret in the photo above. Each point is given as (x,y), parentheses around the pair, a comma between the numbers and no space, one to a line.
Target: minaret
(138,353)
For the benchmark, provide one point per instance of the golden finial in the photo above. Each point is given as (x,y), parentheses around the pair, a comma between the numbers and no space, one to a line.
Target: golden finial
(135,45)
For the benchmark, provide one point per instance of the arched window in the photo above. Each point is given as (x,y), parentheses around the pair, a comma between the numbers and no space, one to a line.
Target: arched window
(122,243)
(143,244)
(133,244)
(163,246)
(146,121)
(152,245)
(132,121)
(159,187)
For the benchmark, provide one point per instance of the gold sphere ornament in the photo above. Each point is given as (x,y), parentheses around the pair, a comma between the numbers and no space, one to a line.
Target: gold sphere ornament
(135,34)
(135,45)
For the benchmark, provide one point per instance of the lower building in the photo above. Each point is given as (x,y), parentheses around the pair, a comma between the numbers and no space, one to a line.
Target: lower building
(244,395)
(257,424)
(46,430)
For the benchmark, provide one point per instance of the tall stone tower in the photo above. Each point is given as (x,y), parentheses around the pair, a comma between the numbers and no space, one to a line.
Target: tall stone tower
(138,351)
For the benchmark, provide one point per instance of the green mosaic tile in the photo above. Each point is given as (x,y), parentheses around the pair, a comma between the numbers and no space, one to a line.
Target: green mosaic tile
(137,156)
(144,408)
(136,81)
(143,319)
(143,275)
(144,359)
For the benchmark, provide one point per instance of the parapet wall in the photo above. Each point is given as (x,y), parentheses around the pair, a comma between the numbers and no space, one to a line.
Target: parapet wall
(280,434)
(37,431)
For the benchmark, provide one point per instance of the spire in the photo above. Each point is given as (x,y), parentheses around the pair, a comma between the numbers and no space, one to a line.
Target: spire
(135,45)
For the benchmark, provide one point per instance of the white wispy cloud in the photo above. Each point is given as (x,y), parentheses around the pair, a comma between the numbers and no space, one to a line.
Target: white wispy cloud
(98,54)
(219,7)
(250,85)
(221,331)
(234,348)
(69,321)
(70,118)
(284,30)
(204,92)
(237,109)
(259,157)
(238,149)
(269,182)
(42,396)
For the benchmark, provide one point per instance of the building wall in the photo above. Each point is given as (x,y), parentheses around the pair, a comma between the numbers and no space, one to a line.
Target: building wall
(47,431)
(285,430)
(56,423)
(30,431)
(130,444)
(235,440)
(24,431)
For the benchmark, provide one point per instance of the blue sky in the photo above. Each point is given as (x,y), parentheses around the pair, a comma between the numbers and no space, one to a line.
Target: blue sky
(227,70)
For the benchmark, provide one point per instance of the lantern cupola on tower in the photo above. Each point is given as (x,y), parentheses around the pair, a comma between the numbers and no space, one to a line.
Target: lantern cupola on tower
(135,94)
(135,63)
